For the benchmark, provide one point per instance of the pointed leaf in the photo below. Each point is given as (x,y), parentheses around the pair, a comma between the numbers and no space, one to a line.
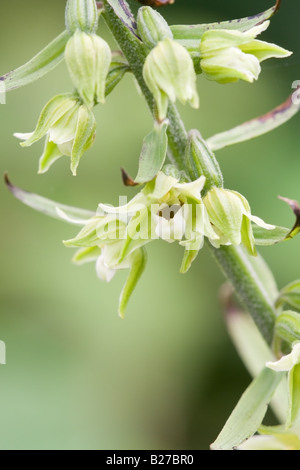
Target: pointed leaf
(122,10)
(138,262)
(249,412)
(45,61)
(153,153)
(256,127)
(51,208)
(265,237)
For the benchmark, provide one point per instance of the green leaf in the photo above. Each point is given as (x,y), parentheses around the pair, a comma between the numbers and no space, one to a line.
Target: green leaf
(256,127)
(153,153)
(249,412)
(45,61)
(290,295)
(190,35)
(138,263)
(53,209)
(123,12)
(265,237)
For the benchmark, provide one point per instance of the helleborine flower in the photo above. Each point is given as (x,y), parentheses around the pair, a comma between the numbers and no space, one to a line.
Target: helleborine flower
(69,127)
(288,362)
(169,74)
(227,56)
(165,208)
(168,209)
(88,58)
(230,215)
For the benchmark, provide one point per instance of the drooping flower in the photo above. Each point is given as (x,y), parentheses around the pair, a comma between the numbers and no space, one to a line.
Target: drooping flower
(168,209)
(88,58)
(229,55)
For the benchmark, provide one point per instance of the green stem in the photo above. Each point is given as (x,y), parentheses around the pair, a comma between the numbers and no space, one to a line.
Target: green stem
(236,266)
(233,260)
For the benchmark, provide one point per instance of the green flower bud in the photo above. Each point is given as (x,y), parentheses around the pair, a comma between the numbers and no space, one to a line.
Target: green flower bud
(81,15)
(227,56)
(152,27)
(169,74)
(201,161)
(88,58)
(230,214)
(69,127)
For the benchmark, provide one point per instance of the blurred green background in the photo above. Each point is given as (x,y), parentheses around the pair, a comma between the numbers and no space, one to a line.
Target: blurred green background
(167,377)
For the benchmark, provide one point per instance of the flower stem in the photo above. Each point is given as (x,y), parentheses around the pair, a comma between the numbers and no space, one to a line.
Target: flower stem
(236,266)
(232,260)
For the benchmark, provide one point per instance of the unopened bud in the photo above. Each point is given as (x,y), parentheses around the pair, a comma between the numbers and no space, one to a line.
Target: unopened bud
(201,161)
(88,58)
(169,74)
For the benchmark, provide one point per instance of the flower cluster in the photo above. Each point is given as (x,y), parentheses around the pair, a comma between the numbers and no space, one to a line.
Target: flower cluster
(67,120)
